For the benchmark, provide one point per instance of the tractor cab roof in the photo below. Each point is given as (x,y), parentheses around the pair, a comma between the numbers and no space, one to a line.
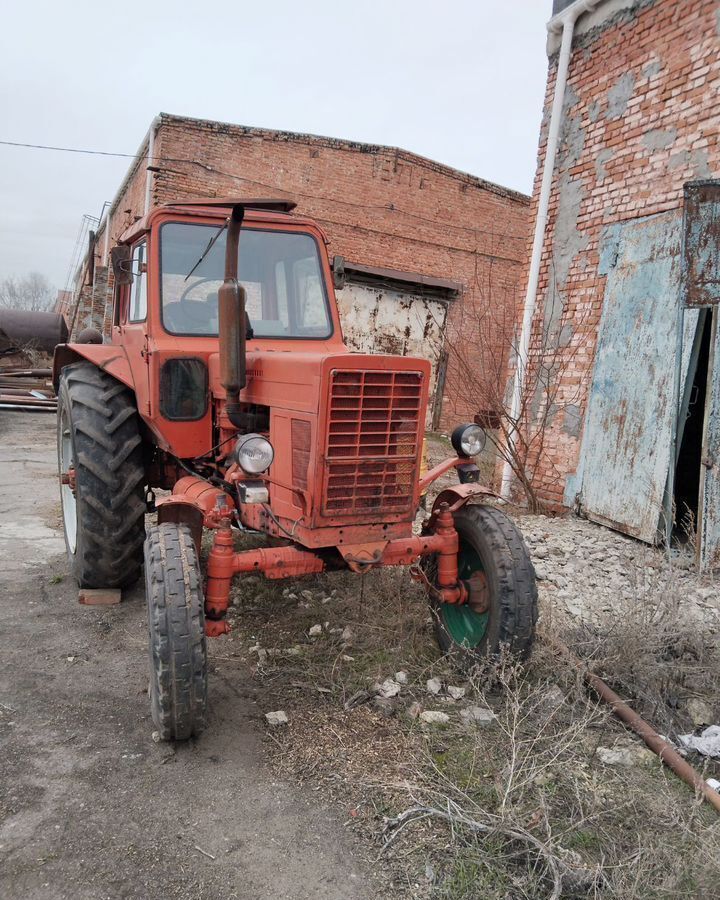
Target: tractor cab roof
(264,209)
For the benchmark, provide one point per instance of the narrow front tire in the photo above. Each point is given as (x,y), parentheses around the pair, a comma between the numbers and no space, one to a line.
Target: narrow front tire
(176,626)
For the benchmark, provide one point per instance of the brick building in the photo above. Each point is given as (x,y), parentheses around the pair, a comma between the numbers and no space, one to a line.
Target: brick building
(428,250)
(639,127)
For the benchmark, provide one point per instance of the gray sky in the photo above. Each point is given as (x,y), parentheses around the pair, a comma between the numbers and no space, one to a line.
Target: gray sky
(461,82)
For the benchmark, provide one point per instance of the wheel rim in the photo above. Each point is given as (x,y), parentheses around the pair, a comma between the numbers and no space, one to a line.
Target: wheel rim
(465,626)
(67,495)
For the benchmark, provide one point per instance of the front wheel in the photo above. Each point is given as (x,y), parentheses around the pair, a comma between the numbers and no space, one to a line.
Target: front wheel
(176,626)
(495,567)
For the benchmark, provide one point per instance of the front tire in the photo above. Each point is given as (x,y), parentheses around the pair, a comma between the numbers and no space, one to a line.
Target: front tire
(492,560)
(102,477)
(176,626)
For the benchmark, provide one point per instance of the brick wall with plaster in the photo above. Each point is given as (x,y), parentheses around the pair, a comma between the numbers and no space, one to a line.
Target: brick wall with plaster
(641,118)
(380,207)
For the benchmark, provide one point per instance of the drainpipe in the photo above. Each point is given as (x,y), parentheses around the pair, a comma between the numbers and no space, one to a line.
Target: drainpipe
(565,22)
(150,156)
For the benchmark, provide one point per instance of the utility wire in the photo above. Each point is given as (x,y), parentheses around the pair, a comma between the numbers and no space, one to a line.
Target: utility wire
(208,168)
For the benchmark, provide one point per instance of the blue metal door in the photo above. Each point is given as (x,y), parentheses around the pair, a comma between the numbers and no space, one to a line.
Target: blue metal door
(631,409)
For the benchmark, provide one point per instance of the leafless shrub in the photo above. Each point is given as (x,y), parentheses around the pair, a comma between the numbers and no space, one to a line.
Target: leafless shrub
(484,354)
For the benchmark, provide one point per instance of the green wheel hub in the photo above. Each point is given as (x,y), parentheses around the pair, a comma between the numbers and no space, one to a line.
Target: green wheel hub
(465,626)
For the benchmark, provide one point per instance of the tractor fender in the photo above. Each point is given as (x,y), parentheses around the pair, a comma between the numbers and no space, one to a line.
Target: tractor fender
(108,357)
(191,503)
(456,497)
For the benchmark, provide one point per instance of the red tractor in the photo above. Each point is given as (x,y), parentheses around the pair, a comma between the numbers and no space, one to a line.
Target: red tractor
(237,393)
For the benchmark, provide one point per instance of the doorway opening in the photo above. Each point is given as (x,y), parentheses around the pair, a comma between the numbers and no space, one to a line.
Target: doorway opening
(689,470)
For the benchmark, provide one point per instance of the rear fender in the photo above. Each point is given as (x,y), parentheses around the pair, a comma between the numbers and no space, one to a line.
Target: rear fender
(108,357)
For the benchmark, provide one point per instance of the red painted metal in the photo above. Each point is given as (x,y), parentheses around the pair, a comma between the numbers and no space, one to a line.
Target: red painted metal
(294,562)
(440,469)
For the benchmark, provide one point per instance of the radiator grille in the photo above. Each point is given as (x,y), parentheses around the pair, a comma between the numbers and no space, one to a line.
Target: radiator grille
(372,443)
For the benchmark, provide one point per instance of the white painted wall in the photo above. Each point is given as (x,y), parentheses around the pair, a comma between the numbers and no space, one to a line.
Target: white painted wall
(402,323)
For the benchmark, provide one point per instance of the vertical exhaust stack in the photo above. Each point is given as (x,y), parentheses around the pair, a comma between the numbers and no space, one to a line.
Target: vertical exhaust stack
(232,322)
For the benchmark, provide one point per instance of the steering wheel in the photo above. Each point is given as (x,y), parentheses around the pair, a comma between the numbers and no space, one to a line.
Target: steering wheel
(191,287)
(199,312)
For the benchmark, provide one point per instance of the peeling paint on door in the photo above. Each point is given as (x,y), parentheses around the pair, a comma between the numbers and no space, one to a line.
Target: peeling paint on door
(627,437)
(402,323)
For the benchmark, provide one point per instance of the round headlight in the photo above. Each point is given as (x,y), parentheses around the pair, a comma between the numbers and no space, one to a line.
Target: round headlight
(468,440)
(254,453)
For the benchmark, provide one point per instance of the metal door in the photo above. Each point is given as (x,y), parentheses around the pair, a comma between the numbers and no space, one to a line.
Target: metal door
(626,444)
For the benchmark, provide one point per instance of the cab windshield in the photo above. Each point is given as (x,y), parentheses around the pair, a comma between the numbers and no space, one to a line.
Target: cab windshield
(280,271)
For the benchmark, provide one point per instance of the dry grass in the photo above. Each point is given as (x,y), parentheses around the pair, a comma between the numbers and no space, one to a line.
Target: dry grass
(521,807)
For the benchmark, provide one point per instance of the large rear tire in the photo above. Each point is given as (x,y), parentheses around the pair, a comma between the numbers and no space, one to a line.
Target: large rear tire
(102,477)
(176,626)
(494,562)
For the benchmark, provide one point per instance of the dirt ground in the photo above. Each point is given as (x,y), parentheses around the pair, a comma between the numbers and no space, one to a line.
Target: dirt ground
(90,807)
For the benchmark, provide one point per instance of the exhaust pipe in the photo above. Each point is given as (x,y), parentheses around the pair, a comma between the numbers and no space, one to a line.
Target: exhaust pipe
(232,322)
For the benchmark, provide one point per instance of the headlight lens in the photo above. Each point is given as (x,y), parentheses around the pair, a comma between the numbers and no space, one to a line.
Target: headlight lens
(254,453)
(468,440)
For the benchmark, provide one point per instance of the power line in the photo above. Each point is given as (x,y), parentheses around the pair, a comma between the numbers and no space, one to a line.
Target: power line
(389,208)
(66,149)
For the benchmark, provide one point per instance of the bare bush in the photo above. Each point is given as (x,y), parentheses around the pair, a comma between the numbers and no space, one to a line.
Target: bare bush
(484,354)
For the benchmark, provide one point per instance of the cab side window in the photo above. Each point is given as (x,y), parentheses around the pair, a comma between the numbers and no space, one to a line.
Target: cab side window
(138,291)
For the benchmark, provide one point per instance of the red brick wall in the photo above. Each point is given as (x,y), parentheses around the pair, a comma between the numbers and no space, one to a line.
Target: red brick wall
(641,118)
(379,207)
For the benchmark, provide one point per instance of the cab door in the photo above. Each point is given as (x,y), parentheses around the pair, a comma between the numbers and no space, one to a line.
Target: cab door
(130,323)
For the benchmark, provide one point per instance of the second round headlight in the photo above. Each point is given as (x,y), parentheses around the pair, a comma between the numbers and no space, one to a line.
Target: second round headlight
(254,453)
(468,440)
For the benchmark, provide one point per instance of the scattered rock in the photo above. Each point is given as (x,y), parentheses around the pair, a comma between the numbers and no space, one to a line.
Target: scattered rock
(434,686)
(414,710)
(262,656)
(700,712)
(626,756)
(477,715)
(385,706)
(156,737)
(279,717)
(389,688)
(401,677)
(315,630)
(348,634)
(307,595)
(434,717)
(457,693)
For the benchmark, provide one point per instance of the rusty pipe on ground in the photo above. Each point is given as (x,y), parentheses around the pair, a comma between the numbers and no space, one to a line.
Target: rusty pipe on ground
(667,753)
(232,322)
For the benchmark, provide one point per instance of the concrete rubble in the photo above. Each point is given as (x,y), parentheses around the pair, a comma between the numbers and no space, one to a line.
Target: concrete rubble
(585,570)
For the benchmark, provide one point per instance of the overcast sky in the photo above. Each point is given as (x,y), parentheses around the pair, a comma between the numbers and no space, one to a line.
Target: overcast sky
(461,82)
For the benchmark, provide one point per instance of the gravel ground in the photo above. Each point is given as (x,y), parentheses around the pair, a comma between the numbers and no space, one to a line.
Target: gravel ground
(584,570)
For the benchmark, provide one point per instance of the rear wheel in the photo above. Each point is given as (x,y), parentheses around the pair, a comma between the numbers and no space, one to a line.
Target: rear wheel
(176,626)
(101,477)
(495,567)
